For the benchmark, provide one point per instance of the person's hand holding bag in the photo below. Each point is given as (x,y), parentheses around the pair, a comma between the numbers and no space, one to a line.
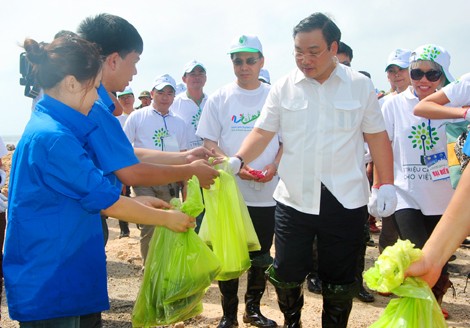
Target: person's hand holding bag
(386,200)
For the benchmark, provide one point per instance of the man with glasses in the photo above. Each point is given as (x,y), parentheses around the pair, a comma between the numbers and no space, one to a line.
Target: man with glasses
(228,116)
(325,112)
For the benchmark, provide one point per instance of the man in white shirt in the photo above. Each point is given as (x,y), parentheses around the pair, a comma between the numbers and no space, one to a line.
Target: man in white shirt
(325,112)
(189,104)
(228,116)
(155,127)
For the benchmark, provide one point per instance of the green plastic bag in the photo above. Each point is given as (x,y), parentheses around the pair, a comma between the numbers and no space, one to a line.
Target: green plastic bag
(227,227)
(179,269)
(416,306)
(193,205)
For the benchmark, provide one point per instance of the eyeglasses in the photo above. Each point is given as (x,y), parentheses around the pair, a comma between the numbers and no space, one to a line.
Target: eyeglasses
(432,75)
(249,61)
(302,56)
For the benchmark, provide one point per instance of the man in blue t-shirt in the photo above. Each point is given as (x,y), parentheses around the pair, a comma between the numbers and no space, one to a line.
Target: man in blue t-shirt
(108,146)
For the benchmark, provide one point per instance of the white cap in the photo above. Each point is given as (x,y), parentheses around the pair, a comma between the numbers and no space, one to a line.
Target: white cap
(399,57)
(246,43)
(188,68)
(264,76)
(164,80)
(436,54)
(180,87)
(127,91)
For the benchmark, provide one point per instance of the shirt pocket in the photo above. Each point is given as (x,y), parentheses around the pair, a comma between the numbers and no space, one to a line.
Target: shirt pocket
(347,114)
(293,114)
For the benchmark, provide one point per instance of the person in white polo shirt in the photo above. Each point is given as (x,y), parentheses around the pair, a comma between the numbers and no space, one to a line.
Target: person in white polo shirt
(397,72)
(188,105)
(156,127)
(228,116)
(325,112)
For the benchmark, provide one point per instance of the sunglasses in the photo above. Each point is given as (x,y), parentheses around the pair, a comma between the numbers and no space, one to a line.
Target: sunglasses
(432,75)
(249,61)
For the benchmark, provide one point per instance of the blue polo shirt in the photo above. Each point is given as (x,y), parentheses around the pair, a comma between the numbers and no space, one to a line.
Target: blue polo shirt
(54,260)
(108,146)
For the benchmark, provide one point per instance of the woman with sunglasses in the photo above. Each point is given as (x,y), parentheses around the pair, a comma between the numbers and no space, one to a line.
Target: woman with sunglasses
(419,153)
(54,260)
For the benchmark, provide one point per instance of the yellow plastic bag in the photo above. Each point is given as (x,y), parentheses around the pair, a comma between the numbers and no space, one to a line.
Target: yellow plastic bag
(416,306)
(227,227)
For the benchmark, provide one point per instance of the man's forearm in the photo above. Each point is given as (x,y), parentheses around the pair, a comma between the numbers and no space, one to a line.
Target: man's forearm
(146,174)
(160,157)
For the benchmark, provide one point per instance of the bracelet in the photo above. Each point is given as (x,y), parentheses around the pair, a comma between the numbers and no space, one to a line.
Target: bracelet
(465,113)
(377,186)
(242,162)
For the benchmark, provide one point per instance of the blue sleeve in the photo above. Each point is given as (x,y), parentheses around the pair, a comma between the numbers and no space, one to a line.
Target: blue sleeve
(70,172)
(108,145)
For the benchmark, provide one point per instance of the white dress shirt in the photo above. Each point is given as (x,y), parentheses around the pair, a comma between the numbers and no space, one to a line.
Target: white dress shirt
(322,128)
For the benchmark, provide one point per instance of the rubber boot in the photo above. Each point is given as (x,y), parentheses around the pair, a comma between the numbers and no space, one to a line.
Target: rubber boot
(363,295)
(290,298)
(337,304)
(229,298)
(256,283)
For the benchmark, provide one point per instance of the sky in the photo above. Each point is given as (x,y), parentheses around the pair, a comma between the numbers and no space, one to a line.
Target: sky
(176,31)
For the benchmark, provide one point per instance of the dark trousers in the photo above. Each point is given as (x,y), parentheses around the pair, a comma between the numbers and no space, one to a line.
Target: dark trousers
(67,322)
(340,234)
(263,222)
(416,227)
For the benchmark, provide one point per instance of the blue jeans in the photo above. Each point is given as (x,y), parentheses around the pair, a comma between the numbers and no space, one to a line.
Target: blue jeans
(66,322)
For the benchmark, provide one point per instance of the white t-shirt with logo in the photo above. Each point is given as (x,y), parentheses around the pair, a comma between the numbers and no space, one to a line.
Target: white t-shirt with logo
(228,116)
(147,128)
(413,138)
(186,108)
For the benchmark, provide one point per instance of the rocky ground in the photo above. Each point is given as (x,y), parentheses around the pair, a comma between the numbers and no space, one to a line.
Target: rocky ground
(124,278)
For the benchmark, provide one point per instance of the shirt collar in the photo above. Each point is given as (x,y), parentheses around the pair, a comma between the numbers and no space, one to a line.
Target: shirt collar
(105,98)
(78,123)
(339,71)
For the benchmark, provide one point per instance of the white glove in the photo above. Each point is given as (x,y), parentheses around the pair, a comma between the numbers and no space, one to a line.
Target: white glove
(372,205)
(3,203)
(3,178)
(386,200)
(234,164)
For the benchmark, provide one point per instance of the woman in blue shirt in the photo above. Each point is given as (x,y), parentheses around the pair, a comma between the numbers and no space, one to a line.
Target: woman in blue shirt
(54,259)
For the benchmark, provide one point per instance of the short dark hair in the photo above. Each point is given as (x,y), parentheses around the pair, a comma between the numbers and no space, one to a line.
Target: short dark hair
(64,56)
(112,34)
(345,49)
(320,21)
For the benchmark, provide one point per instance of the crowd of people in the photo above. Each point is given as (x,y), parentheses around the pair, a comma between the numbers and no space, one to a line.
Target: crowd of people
(318,155)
